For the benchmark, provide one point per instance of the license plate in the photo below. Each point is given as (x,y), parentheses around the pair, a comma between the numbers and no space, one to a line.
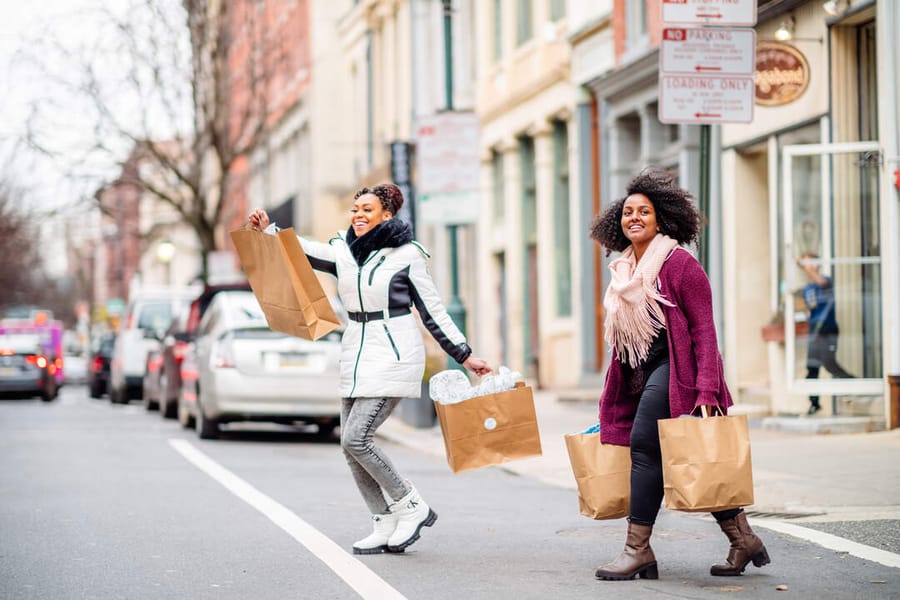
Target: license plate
(8,371)
(294,359)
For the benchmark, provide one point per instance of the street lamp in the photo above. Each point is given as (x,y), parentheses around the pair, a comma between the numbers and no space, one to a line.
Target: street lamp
(834,7)
(165,252)
(785,31)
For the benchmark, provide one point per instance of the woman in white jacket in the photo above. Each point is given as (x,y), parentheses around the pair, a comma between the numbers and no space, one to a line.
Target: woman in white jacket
(381,272)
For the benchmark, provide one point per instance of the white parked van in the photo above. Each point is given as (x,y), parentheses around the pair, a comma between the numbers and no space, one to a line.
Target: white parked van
(150,312)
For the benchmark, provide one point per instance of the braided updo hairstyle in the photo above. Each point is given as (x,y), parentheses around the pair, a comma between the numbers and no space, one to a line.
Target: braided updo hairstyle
(676,214)
(390,195)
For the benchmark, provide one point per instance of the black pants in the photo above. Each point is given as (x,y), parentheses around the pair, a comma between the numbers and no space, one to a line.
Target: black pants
(821,352)
(646,459)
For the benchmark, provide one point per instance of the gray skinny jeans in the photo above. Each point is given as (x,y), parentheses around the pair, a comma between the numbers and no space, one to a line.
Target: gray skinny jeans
(375,475)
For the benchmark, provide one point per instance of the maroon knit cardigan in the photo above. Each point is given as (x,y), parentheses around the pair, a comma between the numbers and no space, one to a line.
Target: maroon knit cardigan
(696,372)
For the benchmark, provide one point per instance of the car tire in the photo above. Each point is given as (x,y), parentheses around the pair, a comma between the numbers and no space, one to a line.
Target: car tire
(49,394)
(184,415)
(96,390)
(168,410)
(116,396)
(326,430)
(207,429)
(149,404)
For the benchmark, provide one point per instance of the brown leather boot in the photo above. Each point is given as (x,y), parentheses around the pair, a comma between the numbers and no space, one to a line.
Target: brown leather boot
(636,559)
(745,547)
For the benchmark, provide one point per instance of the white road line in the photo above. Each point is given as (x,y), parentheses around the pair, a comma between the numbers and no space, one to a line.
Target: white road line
(833,542)
(357,575)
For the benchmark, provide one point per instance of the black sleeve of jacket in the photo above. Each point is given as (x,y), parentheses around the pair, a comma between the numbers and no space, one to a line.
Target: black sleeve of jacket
(434,315)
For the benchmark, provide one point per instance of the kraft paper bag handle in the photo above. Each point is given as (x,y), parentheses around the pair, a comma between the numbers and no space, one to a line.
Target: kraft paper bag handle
(710,411)
(283,281)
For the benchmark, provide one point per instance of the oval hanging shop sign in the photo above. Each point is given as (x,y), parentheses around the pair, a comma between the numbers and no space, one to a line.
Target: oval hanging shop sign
(782,73)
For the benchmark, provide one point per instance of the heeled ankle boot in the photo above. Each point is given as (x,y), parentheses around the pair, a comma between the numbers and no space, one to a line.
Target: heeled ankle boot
(745,547)
(636,559)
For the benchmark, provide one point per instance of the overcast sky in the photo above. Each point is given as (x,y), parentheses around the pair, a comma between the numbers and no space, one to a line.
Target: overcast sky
(61,37)
(44,186)
(22,22)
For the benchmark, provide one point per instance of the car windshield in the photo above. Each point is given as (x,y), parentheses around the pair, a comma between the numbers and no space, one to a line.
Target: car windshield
(20,343)
(107,345)
(247,308)
(156,316)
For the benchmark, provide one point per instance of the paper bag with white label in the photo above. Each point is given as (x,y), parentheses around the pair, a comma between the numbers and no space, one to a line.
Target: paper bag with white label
(489,430)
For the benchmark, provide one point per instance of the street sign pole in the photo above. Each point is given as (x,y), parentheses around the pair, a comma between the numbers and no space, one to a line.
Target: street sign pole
(703,199)
(706,77)
(455,308)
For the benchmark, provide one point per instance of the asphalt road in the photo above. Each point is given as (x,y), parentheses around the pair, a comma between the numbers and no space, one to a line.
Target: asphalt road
(103,501)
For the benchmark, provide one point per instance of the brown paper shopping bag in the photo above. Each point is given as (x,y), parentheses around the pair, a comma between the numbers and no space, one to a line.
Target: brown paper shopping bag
(284,283)
(603,474)
(706,463)
(489,430)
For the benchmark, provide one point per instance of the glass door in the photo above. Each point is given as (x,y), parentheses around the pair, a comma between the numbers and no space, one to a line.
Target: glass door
(832,269)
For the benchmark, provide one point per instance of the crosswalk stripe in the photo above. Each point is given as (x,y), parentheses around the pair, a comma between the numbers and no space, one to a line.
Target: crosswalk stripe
(358,576)
(832,542)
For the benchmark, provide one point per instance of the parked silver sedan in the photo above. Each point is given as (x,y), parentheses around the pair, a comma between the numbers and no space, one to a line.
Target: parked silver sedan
(240,370)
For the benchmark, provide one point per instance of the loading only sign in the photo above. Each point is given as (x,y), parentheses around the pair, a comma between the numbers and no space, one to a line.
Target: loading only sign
(698,99)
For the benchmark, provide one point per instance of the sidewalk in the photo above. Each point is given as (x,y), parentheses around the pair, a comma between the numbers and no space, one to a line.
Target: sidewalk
(798,476)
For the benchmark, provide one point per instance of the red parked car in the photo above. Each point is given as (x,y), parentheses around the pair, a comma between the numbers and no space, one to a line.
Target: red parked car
(162,378)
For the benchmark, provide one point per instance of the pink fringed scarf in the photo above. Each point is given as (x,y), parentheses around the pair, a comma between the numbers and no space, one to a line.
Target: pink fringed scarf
(632,301)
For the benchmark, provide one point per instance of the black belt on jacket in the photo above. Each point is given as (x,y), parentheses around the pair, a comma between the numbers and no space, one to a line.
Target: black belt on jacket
(365,317)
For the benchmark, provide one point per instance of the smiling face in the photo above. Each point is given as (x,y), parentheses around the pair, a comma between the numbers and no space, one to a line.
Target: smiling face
(639,221)
(366,213)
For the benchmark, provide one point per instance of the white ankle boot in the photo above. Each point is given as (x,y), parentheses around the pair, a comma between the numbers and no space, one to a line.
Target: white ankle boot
(377,541)
(412,514)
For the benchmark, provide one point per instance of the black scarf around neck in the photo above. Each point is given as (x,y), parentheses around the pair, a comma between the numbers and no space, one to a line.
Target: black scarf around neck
(392,233)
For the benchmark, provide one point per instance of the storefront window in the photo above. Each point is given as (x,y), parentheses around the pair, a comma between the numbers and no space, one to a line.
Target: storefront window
(807,170)
(832,267)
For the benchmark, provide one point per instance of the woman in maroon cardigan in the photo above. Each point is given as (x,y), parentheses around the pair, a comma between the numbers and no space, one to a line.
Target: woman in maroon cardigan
(665,361)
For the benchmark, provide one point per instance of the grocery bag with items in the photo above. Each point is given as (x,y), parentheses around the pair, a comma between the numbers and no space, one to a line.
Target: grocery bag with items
(487,424)
(602,472)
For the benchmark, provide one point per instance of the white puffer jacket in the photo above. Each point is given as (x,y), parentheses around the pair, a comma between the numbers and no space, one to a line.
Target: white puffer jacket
(384,357)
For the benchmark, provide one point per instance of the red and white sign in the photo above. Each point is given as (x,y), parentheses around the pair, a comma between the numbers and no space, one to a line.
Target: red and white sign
(705,99)
(710,51)
(710,12)
(448,168)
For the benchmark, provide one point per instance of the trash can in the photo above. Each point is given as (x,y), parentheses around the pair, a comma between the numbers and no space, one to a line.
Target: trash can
(418,412)
(894,412)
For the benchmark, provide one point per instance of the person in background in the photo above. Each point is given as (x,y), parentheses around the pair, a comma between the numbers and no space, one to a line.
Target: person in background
(821,349)
(381,273)
(665,357)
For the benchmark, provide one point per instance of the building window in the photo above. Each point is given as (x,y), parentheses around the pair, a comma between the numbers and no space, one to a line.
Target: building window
(635,24)
(557,9)
(562,254)
(529,191)
(370,102)
(498,30)
(501,297)
(868,83)
(530,259)
(524,30)
(497,188)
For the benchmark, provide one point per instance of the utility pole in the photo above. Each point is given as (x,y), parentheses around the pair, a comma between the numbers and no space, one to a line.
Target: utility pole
(455,307)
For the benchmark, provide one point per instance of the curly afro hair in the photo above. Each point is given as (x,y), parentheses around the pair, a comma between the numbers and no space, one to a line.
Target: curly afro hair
(390,195)
(676,214)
